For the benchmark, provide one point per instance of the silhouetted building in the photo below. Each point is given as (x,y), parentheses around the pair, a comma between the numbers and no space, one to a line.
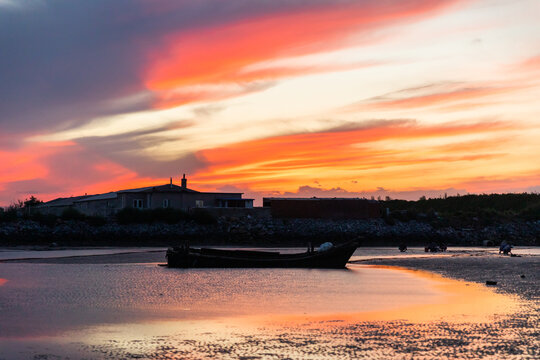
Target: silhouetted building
(323,208)
(151,197)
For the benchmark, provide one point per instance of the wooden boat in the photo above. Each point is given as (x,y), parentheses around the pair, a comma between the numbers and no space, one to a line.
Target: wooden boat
(336,257)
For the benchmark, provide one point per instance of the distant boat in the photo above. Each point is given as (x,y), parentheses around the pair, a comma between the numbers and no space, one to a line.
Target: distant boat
(333,257)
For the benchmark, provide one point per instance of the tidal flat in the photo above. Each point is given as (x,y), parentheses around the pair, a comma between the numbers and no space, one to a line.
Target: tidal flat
(117,306)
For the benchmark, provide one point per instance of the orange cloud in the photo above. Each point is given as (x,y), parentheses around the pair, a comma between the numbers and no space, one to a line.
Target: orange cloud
(60,169)
(462,106)
(502,183)
(531,64)
(25,163)
(220,54)
(284,160)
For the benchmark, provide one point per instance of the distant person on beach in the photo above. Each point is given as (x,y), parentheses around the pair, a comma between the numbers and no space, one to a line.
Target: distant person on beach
(402,247)
(432,247)
(505,248)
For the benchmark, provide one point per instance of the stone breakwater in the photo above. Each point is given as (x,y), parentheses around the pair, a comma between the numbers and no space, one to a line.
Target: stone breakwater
(258,231)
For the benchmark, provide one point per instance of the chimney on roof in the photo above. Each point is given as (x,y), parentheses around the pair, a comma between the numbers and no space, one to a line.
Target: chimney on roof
(184,181)
(170,183)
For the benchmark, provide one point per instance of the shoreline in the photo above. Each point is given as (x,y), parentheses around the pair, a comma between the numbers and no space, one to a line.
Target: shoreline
(514,275)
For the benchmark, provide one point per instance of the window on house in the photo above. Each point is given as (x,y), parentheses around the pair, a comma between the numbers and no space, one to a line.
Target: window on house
(199,203)
(166,203)
(138,203)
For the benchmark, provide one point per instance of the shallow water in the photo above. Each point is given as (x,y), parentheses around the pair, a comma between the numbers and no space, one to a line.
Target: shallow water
(59,297)
(12,254)
(362,253)
(140,310)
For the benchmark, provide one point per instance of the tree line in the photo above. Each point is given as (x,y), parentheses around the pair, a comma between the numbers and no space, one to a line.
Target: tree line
(485,208)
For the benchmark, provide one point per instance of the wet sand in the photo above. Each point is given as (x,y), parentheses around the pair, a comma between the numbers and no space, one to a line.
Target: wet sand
(138,257)
(514,275)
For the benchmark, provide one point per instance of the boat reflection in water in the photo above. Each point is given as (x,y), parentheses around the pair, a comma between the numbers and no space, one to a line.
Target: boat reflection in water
(327,256)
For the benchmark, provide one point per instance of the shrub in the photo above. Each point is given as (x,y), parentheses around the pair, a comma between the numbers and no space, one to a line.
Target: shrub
(10,214)
(169,216)
(203,217)
(130,216)
(412,214)
(72,214)
(136,216)
(31,202)
(44,219)
(531,213)
(96,220)
(389,220)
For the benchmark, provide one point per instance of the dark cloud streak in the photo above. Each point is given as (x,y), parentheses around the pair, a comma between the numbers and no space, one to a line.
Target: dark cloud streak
(124,149)
(63,61)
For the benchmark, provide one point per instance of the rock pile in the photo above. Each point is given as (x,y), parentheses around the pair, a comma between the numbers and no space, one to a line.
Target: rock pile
(263,231)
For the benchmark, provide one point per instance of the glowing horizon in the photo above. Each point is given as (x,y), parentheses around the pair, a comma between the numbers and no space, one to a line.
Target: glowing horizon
(356,98)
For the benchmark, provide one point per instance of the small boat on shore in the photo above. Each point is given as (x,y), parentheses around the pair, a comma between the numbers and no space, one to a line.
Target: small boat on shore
(329,257)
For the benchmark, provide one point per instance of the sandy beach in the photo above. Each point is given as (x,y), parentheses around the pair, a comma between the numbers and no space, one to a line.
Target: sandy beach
(514,275)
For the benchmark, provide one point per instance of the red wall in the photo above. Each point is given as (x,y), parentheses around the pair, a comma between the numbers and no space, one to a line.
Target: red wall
(325,208)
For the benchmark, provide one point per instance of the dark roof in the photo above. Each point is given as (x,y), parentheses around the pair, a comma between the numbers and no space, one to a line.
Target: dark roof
(106,196)
(231,198)
(159,188)
(114,194)
(312,198)
(64,201)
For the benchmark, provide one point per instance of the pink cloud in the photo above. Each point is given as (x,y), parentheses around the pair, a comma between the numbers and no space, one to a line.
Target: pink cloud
(50,170)
(219,54)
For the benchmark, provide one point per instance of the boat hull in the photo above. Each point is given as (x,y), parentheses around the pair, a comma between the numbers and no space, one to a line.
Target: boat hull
(334,258)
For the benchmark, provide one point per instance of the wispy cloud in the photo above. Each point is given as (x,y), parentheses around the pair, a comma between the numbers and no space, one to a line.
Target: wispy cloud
(530,64)
(293,157)
(432,95)
(80,61)
(223,54)
(519,182)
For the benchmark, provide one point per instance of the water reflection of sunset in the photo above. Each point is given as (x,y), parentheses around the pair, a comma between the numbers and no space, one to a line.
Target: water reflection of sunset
(379,312)
(429,327)
(451,301)
(459,302)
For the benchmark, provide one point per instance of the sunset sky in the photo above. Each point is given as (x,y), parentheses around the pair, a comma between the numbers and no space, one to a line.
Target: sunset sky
(296,98)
